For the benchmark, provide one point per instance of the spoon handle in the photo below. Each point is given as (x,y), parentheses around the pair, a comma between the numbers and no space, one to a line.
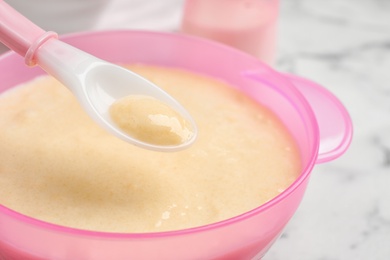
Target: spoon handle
(21,35)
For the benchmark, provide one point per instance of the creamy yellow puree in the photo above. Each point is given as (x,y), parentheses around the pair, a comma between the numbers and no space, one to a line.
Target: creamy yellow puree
(57,165)
(150,120)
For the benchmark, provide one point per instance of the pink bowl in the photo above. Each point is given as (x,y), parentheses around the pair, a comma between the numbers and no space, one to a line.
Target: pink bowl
(316,119)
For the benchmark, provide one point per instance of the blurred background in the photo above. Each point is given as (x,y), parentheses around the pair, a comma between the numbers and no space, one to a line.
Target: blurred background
(343,45)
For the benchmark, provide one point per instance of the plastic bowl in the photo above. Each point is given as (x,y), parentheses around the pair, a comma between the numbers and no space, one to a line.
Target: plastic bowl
(316,119)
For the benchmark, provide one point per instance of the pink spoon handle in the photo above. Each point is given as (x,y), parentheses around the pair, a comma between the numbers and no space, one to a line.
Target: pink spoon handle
(20,34)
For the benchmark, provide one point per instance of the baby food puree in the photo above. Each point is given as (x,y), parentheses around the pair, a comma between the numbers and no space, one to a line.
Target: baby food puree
(150,120)
(57,165)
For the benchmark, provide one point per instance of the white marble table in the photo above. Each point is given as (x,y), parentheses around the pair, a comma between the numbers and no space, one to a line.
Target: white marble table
(345,46)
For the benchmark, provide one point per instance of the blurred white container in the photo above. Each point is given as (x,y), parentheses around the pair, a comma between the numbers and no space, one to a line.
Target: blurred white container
(67,16)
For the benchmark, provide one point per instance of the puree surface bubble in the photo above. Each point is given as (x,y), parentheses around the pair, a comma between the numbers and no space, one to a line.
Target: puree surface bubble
(57,165)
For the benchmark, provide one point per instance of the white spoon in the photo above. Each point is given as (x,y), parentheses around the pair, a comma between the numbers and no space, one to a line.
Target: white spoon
(97,84)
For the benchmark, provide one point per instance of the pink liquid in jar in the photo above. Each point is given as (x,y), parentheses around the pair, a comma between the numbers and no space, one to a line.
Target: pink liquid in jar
(248,25)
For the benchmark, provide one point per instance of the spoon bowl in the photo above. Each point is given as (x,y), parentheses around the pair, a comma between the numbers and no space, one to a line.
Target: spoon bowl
(96,83)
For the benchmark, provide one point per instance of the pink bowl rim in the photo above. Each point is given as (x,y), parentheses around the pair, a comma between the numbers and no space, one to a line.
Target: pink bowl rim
(115,235)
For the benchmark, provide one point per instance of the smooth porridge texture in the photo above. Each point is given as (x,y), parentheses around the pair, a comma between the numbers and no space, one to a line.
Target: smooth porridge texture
(57,165)
(150,120)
